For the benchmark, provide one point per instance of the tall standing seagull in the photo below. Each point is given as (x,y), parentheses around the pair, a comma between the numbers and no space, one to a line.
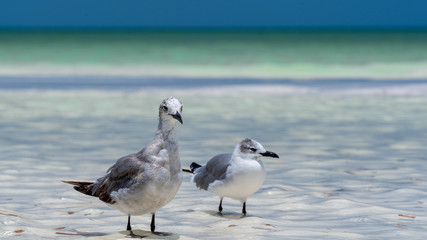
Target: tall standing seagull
(237,175)
(143,182)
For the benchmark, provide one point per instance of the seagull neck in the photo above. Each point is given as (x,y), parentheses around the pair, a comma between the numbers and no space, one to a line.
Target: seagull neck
(169,134)
(237,156)
(167,127)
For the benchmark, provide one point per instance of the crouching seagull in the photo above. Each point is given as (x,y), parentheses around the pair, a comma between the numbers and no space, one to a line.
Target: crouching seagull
(143,182)
(237,175)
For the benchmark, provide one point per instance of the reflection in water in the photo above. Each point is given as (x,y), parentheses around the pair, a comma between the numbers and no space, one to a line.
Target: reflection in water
(227,215)
(148,234)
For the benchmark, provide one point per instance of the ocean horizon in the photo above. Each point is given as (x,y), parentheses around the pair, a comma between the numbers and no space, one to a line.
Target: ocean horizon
(219,86)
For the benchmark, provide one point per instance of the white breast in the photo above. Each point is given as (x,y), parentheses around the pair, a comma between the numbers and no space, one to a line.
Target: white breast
(244,177)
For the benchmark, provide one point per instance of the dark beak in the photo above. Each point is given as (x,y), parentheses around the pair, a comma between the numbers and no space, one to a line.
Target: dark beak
(270,154)
(178,117)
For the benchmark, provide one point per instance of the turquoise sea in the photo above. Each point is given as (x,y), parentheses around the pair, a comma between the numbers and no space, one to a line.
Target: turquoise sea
(262,54)
(345,111)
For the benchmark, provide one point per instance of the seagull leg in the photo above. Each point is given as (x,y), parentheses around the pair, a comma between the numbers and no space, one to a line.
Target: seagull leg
(244,209)
(129,228)
(153,226)
(220,207)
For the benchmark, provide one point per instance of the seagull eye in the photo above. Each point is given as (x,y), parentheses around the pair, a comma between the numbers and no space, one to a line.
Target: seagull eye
(181,109)
(165,108)
(252,149)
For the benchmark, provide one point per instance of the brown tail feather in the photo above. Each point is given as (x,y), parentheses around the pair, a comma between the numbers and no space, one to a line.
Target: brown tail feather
(87,187)
(81,184)
(83,187)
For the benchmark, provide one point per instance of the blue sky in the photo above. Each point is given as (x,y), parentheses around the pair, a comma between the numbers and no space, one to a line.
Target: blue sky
(213,13)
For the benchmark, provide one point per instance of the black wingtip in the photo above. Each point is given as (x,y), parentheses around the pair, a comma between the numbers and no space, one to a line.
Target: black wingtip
(83,190)
(194,166)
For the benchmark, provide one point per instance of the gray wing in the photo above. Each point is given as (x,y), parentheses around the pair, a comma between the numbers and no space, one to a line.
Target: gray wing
(123,174)
(215,169)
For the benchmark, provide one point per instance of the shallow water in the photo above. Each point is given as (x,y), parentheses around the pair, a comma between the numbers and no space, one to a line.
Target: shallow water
(351,166)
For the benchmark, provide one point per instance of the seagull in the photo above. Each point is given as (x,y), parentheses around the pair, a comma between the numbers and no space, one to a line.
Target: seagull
(143,182)
(237,175)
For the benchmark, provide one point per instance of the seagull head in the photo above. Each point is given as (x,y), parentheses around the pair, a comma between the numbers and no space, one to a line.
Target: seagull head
(251,149)
(170,110)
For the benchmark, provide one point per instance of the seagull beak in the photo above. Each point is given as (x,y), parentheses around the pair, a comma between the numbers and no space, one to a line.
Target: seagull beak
(178,117)
(269,154)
